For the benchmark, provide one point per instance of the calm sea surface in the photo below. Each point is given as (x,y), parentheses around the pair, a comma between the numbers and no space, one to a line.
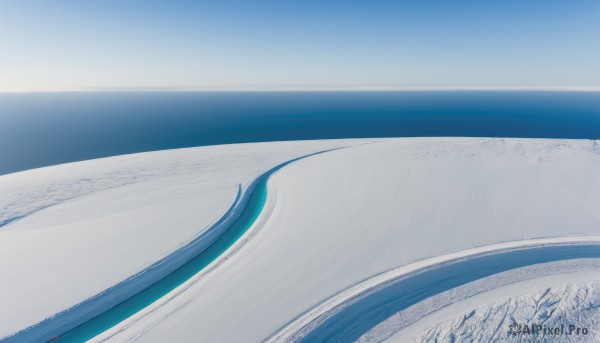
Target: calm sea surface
(41,129)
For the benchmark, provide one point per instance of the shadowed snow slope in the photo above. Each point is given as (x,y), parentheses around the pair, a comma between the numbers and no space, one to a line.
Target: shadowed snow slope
(71,231)
(341,217)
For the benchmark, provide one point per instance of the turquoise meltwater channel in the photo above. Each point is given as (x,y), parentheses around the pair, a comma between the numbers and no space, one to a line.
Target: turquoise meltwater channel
(160,288)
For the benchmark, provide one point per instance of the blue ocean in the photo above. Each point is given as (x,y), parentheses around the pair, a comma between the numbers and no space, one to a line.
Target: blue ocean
(41,129)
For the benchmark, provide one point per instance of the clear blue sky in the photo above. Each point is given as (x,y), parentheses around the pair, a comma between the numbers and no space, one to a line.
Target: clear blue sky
(301,43)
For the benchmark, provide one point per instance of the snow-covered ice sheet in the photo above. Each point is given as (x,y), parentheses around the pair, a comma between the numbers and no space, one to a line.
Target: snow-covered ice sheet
(70,231)
(362,311)
(341,217)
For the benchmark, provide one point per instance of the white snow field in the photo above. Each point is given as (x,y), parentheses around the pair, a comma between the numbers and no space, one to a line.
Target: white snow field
(332,223)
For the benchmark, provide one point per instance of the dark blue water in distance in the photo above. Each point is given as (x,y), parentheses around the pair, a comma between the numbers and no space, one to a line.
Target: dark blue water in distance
(41,129)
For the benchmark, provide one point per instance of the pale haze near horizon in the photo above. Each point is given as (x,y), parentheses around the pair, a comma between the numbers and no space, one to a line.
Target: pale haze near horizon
(69,45)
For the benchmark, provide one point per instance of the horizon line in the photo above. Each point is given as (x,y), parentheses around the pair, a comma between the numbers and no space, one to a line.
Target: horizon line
(304,89)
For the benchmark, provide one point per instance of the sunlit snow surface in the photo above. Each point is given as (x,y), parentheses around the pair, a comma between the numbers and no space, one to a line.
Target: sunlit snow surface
(332,223)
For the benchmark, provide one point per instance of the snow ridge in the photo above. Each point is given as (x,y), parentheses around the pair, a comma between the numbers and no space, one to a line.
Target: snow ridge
(80,313)
(307,324)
